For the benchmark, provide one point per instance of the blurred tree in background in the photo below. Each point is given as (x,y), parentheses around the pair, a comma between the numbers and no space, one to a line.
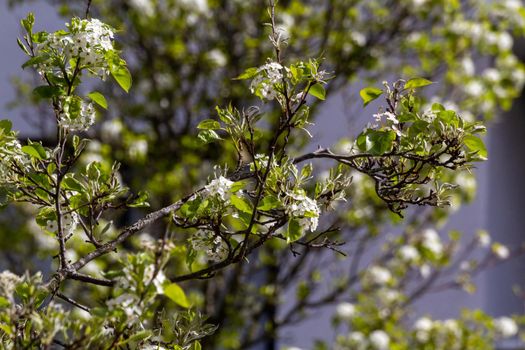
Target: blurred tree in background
(183,55)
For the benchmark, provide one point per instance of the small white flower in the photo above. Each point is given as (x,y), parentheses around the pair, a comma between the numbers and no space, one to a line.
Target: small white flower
(219,187)
(423,327)
(423,324)
(52,226)
(419,3)
(379,275)
(506,326)
(483,239)
(474,88)
(379,340)
(432,242)
(408,253)
(144,7)
(468,65)
(425,270)
(217,57)
(501,251)
(358,340)
(305,210)
(492,75)
(358,38)
(345,311)
(505,41)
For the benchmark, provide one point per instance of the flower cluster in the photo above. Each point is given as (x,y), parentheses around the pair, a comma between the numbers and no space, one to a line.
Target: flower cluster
(214,246)
(305,210)
(267,77)
(69,223)
(8,283)
(219,188)
(88,40)
(385,120)
(75,114)
(430,240)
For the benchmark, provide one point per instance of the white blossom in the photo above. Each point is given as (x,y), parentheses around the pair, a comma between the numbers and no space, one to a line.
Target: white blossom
(425,270)
(379,275)
(408,253)
(219,188)
(379,340)
(267,76)
(305,210)
(8,283)
(492,75)
(111,130)
(504,41)
(423,327)
(483,239)
(474,88)
(158,281)
(506,326)
(75,114)
(214,246)
(358,340)
(144,7)
(345,311)
(358,38)
(501,251)
(138,149)
(468,65)
(431,241)
(217,57)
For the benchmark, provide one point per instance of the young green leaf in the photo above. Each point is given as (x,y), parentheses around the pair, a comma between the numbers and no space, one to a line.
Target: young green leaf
(369,94)
(209,124)
(99,99)
(176,294)
(122,76)
(417,83)
(248,74)
(241,204)
(294,231)
(6,125)
(35,150)
(46,91)
(318,91)
(475,144)
(269,203)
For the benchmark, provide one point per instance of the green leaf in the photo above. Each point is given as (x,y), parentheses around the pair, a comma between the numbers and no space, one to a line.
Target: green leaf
(369,94)
(376,142)
(46,91)
(6,125)
(294,231)
(475,144)
(6,329)
(176,294)
(72,184)
(209,124)
(269,203)
(417,83)
(207,136)
(239,185)
(241,204)
(35,60)
(3,302)
(27,23)
(122,76)
(99,99)
(22,47)
(141,201)
(318,91)
(248,73)
(35,150)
